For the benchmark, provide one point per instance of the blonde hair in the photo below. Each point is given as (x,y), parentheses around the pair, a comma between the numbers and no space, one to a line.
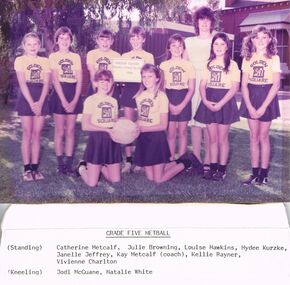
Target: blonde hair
(248,47)
(30,35)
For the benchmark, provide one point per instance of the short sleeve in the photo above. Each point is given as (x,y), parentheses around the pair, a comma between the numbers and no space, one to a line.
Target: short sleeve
(46,65)
(18,66)
(245,66)
(164,103)
(235,72)
(88,107)
(276,64)
(90,57)
(52,61)
(151,58)
(78,64)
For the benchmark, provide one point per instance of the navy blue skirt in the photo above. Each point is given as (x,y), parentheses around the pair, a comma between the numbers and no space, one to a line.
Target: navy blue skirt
(175,97)
(151,149)
(69,93)
(258,94)
(22,106)
(129,91)
(102,150)
(227,115)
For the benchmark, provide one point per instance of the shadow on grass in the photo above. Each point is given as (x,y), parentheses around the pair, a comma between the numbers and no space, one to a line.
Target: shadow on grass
(135,187)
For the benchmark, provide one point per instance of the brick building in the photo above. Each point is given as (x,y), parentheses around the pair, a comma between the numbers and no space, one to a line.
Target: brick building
(239,18)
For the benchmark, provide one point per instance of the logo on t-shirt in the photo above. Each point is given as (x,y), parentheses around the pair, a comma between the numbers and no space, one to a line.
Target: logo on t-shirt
(66,68)
(258,71)
(103,63)
(106,112)
(144,112)
(34,74)
(176,76)
(215,76)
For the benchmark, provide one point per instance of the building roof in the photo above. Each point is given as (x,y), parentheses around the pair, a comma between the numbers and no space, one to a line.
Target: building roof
(277,19)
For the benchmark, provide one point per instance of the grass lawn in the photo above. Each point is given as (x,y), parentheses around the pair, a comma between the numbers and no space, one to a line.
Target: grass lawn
(135,187)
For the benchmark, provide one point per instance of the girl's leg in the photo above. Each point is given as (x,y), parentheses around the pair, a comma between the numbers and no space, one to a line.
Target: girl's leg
(196,137)
(182,138)
(265,152)
(149,172)
(27,126)
(163,174)
(112,172)
(59,121)
(91,174)
(70,134)
(213,139)
(70,140)
(265,144)
(213,149)
(171,138)
(129,114)
(254,126)
(223,143)
(38,123)
(206,146)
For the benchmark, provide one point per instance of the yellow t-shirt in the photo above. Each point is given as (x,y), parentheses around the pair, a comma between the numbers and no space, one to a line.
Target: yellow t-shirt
(150,108)
(177,73)
(140,54)
(34,68)
(217,78)
(260,69)
(103,110)
(102,59)
(66,65)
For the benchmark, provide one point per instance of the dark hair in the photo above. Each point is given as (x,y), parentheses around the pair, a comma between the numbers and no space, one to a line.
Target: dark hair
(248,47)
(203,13)
(158,73)
(105,33)
(61,31)
(107,75)
(172,39)
(227,55)
(137,30)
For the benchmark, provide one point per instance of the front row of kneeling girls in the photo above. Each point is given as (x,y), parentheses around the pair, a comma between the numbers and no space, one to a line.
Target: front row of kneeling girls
(218,110)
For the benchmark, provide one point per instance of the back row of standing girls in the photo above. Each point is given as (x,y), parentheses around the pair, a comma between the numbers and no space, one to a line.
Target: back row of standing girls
(217,80)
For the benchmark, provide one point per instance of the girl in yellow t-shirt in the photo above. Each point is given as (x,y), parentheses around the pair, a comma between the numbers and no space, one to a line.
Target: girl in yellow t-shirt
(218,108)
(152,150)
(260,85)
(65,100)
(33,75)
(102,154)
(137,37)
(179,83)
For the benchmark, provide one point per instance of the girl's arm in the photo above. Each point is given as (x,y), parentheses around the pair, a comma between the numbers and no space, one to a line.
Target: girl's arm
(271,94)
(92,72)
(178,108)
(44,92)
(202,91)
(162,126)
(229,95)
(73,103)
(245,93)
(23,87)
(58,89)
(88,126)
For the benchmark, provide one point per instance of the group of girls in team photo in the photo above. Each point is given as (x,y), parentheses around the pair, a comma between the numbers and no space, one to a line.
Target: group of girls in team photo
(194,86)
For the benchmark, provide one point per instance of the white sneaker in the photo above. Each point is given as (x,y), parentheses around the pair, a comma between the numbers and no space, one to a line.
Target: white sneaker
(126,168)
